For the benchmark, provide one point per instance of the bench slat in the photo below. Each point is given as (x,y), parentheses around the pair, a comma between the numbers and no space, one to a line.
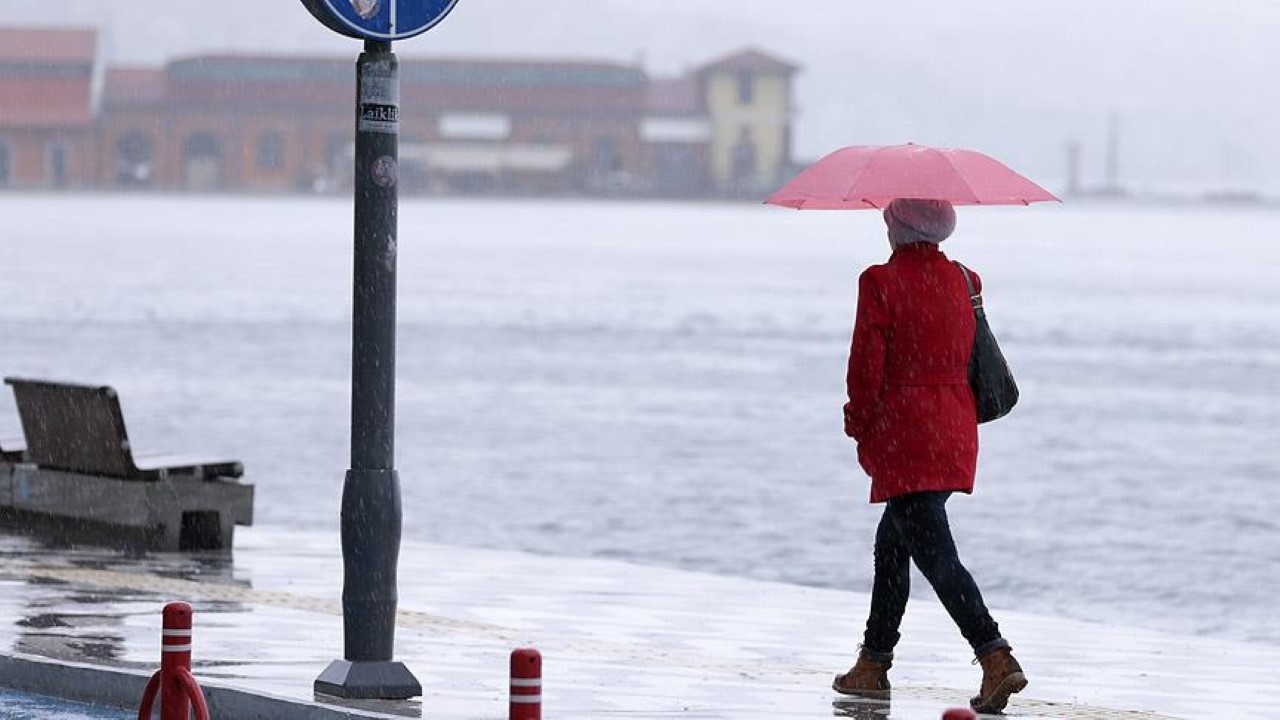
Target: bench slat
(188,464)
(12,449)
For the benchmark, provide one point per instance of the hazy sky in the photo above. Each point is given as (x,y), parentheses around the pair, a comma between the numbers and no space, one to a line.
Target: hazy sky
(1193,83)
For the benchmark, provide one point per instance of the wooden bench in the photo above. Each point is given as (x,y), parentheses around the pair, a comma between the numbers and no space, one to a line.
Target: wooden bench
(11,449)
(78,464)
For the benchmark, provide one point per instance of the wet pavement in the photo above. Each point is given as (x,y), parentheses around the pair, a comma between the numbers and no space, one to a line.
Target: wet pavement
(618,640)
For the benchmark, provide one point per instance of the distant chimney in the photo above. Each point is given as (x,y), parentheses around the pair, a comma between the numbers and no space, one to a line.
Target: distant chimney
(1073,167)
(1113,152)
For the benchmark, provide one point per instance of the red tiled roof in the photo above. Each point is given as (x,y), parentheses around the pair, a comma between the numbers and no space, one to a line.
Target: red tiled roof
(30,95)
(750,60)
(48,46)
(134,86)
(673,96)
(44,102)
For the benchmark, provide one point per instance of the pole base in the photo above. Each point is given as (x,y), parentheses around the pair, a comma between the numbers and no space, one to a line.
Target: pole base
(368,681)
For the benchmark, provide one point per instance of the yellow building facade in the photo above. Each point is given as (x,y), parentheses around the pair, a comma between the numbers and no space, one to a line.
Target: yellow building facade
(748,103)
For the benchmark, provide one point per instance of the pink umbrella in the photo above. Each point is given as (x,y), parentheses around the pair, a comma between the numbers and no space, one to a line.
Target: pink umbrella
(871,176)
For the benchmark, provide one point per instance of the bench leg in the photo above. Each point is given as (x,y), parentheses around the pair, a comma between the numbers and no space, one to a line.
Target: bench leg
(202,530)
(228,525)
(168,538)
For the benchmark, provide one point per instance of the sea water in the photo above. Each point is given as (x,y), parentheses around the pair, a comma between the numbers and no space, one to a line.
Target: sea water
(23,706)
(662,383)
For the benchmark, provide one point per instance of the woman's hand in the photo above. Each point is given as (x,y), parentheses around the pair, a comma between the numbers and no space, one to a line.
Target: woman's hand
(850,424)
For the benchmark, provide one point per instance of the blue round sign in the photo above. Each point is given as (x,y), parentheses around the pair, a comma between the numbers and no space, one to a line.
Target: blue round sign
(380,19)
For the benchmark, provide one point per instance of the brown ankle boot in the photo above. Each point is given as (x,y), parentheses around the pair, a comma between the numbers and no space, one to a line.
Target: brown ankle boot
(1001,677)
(867,678)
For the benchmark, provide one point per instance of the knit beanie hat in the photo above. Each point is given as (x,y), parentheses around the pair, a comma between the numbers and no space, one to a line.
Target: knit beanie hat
(913,220)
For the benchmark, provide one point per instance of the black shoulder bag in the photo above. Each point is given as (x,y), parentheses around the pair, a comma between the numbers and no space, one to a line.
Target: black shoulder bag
(993,387)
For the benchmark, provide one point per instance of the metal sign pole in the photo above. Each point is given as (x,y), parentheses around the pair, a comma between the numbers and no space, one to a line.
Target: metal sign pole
(371,492)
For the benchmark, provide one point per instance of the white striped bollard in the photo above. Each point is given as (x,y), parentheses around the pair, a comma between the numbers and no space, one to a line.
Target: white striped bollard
(173,682)
(526,684)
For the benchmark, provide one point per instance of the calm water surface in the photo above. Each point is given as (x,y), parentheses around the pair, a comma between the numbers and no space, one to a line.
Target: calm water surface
(662,383)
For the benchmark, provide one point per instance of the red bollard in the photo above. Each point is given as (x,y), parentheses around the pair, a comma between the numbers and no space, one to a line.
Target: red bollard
(959,714)
(526,684)
(174,683)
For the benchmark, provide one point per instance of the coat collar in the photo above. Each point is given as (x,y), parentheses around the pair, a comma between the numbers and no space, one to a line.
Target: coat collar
(918,250)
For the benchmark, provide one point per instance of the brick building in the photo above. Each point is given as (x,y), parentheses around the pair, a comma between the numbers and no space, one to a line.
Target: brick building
(49,87)
(270,123)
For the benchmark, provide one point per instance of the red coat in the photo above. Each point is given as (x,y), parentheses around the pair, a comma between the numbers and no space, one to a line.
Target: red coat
(910,406)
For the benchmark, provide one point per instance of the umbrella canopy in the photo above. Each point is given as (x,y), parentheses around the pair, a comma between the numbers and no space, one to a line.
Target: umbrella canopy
(872,176)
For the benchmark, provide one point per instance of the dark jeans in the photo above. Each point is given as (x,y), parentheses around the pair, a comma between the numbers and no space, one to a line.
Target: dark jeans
(915,527)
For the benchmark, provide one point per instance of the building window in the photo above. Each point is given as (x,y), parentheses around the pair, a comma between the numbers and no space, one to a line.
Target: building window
(746,88)
(339,149)
(474,126)
(744,156)
(271,150)
(57,165)
(606,157)
(202,162)
(6,163)
(133,158)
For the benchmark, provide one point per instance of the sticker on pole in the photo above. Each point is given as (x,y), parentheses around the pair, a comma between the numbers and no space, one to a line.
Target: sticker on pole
(379,98)
(380,19)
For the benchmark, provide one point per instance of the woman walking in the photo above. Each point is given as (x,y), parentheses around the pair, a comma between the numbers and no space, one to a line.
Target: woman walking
(912,413)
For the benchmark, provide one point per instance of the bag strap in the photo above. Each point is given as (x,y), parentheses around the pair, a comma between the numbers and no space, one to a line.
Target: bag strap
(974,296)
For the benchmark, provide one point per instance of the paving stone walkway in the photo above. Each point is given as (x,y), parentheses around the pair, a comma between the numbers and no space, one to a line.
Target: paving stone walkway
(618,640)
